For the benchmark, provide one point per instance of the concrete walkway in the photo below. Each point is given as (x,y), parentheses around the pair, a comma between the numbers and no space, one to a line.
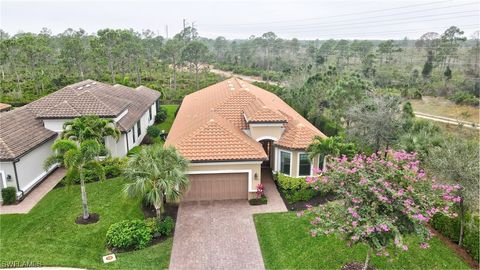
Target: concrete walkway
(221,234)
(35,195)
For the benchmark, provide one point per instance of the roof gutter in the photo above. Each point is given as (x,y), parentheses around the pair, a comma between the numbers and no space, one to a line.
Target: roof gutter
(16,175)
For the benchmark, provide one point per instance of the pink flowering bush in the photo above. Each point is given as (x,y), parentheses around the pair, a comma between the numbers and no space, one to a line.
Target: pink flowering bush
(260,191)
(381,200)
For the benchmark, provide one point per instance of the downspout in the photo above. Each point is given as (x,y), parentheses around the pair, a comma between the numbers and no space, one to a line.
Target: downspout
(126,138)
(16,175)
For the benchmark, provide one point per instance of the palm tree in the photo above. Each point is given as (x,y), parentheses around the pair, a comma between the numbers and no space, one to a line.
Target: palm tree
(76,158)
(331,146)
(158,175)
(90,127)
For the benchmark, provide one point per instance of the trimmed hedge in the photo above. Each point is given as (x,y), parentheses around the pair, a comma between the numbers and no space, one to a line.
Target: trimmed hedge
(9,195)
(295,189)
(129,234)
(450,228)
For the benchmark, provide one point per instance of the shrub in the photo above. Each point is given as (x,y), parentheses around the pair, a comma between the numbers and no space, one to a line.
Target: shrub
(295,189)
(293,183)
(450,228)
(153,224)
(161,115)
(153,131)
(258,201)
(166,226)
(114,166)
(9,195)
(135,150)
(260,191)
(129,234)
(465,98)
(300,195)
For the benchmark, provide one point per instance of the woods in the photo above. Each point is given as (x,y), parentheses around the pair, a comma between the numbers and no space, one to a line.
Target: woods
(33,65)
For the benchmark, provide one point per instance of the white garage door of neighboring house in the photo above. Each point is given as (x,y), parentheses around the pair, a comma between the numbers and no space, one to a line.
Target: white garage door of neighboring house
(223,186)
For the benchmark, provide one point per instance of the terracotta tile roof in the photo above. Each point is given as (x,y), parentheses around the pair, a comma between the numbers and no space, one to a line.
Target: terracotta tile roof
(216,141)
(210,122)
(20,131)
(257,112)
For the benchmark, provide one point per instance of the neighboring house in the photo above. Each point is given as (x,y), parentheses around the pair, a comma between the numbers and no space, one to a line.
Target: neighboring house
(230,131)
(27,133)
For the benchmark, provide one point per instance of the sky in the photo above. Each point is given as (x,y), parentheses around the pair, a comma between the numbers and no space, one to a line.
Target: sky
(302,19)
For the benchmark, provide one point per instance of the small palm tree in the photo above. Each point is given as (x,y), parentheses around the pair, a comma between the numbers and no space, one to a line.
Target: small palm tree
(90,127)
(331,146)
(158,175)
(76,158)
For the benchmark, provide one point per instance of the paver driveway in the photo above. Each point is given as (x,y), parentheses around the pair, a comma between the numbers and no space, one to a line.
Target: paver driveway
(221,234)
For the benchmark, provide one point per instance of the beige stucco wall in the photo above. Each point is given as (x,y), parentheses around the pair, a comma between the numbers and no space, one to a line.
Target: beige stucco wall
(226,167)
(294,161)
(260,132)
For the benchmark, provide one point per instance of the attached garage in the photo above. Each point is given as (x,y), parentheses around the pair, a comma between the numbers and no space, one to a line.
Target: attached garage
(221,186)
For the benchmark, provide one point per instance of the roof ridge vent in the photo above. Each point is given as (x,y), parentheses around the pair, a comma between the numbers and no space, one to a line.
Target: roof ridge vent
(88,85)
(80,88)
(94,83)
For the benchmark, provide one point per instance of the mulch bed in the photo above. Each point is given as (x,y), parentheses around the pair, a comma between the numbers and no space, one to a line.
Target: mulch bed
(356,266)
(171,209)
(457,249)
(93,218)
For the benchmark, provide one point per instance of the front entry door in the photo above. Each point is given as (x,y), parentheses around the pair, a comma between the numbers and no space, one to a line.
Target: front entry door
(267,146)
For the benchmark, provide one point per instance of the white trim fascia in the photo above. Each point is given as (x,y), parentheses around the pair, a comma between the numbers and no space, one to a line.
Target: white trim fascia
(266,138)
(250,180)
(266,124)
(226,163)
(298,165)
(116,119)
(280,161)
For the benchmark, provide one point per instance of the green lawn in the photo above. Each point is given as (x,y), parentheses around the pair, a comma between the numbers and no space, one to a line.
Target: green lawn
(286,244)
(171,109)
(49,236)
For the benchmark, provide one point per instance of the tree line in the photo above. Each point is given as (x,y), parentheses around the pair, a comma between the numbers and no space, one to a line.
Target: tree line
(33,65)
(445,64)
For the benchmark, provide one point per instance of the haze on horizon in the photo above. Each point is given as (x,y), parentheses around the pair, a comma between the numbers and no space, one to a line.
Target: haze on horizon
(364,19)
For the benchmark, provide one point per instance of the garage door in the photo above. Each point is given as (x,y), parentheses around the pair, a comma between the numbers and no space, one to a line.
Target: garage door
(225,186)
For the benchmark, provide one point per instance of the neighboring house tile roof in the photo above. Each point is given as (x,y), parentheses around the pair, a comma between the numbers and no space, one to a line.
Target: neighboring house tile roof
(209,125)
(20,131)
(23,129)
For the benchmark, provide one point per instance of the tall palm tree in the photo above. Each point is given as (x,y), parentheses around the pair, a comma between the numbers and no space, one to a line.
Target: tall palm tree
(76,158)
(90,127)
(158,175)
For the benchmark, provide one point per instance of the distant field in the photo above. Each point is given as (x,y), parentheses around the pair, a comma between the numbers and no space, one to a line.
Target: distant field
(443,107)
